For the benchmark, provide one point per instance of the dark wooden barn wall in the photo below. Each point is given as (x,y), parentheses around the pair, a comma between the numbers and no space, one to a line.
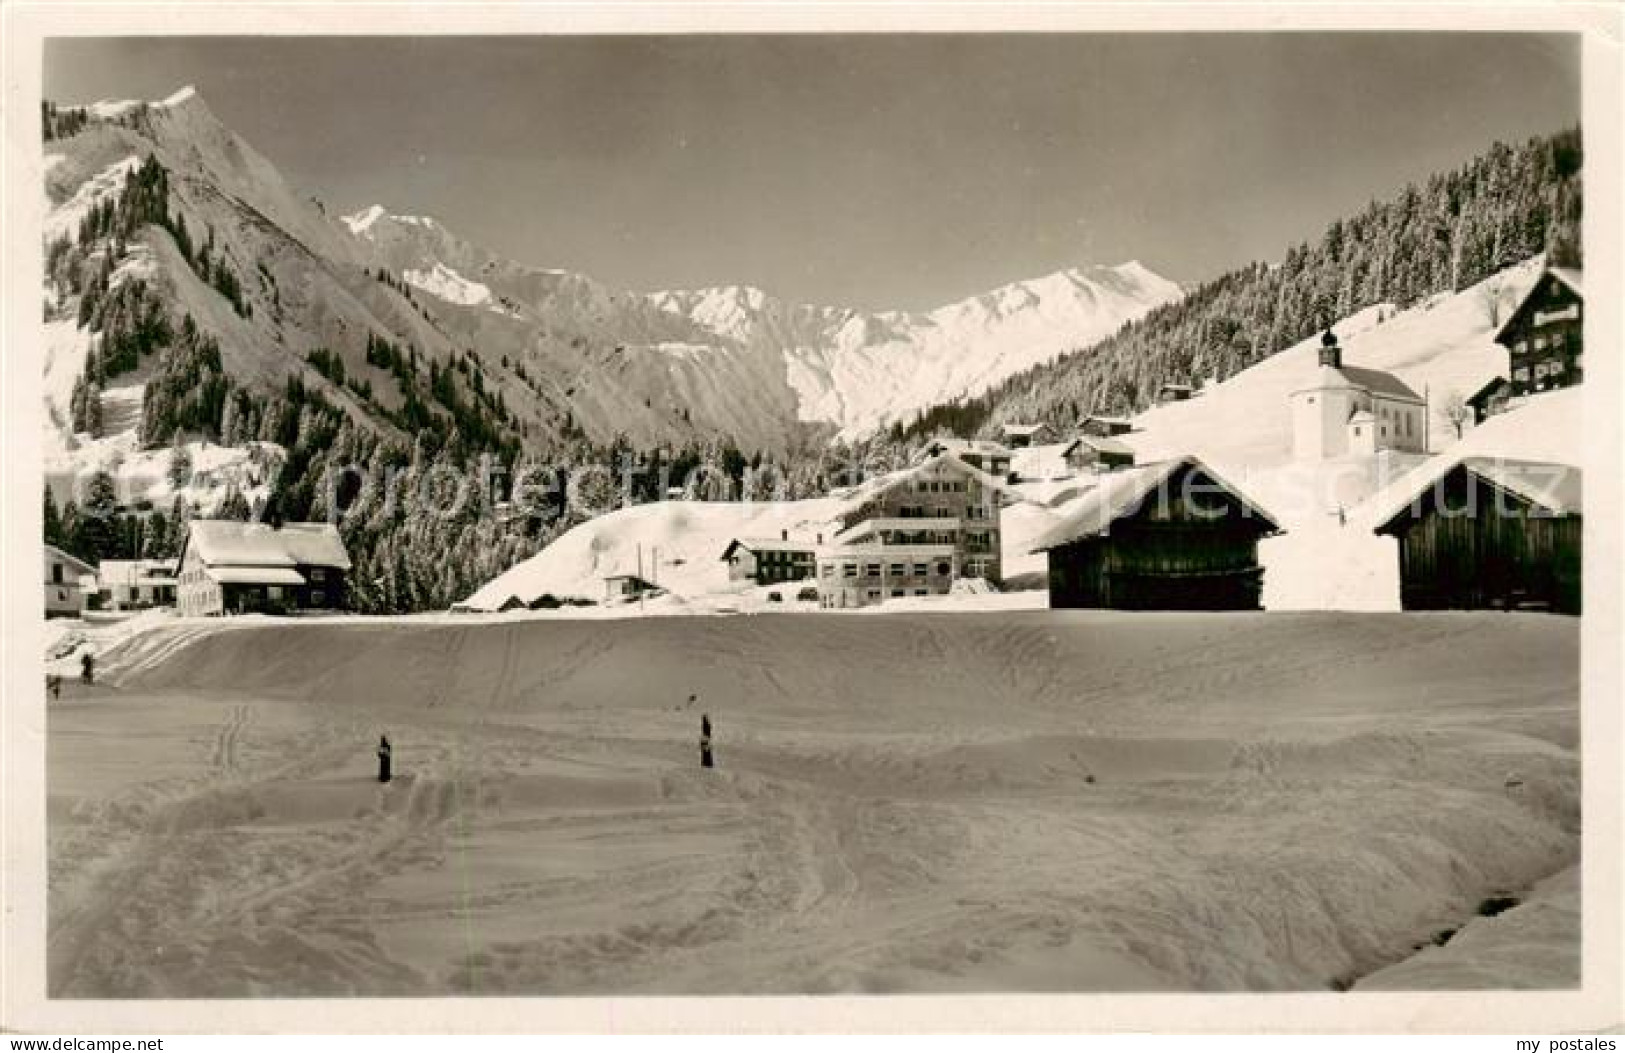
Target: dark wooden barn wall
(1500,556)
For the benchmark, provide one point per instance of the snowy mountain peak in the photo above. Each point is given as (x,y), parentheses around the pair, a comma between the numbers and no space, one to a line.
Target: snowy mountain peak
(185,94)
(359,222)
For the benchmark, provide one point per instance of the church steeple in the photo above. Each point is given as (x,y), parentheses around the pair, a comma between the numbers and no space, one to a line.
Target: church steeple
(1330,353)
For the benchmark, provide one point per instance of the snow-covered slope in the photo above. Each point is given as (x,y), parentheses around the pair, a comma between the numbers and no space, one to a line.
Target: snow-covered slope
(1328,558)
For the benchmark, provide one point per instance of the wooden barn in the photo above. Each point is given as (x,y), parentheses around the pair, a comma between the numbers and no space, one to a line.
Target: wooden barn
(1487,532)
(1166,536)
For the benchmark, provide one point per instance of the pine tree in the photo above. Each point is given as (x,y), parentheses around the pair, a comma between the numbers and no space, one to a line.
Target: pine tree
(180,462)
(53,520)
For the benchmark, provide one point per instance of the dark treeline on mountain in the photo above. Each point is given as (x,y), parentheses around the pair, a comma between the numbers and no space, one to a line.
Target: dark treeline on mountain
(1506,205)
(57,123)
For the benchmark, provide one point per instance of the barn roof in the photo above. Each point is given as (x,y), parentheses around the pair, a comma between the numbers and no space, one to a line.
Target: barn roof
(1122,493)
(229,542)
(1556,488)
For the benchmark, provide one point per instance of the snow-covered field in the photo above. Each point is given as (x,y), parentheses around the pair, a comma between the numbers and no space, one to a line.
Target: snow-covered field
(1006,801)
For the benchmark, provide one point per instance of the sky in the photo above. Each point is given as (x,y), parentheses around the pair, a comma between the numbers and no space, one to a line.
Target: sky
(875,171)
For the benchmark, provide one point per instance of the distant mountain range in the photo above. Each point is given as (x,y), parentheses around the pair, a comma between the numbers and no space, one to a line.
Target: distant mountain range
(567,354)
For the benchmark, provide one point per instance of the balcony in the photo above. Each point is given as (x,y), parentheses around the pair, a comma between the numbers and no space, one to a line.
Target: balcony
(869,528)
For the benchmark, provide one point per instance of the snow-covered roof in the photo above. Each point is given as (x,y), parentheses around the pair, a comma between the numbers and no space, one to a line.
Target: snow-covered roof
(767,544)
(255,575)
(229,542)
(1122,493)
(1379,382)
(869,489)
(1101,444)
(979,447)
(1556,488)
(1024,429)
(1573,277)
(58,554)
(137,571)
(1569,276)
(1361,416)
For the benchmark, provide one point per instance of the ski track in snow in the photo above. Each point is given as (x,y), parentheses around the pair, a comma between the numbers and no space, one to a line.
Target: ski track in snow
(1031,801)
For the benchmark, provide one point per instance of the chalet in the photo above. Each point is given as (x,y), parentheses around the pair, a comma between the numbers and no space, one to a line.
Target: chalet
(1167,536)
(626,587)
(1174,393)
(914,533)
(1544,335)
(1091,453)
(1105,427)
(1484,532)
(66,579)
(1490,399)
(768,561)
(136,584)
(1021,436)
(231,567)
(1343,410)
(984,456)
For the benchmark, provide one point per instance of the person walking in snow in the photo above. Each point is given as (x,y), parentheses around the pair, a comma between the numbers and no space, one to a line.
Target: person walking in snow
(705,741)
(87,668)
(384,752)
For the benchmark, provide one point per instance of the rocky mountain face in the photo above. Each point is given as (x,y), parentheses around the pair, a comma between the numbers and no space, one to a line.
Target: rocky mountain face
(541,355)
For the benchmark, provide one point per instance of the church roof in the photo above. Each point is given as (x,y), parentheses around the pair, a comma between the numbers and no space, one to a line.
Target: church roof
(1378,382)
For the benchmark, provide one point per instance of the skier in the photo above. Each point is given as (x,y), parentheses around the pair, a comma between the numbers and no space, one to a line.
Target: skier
(705,741)
(383,758)
(87,668)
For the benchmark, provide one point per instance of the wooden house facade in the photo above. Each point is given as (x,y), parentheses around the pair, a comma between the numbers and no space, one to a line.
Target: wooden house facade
(232,567)
(1490,533)
(1092,453)
(1168,536)
(770,561)
(1544,336)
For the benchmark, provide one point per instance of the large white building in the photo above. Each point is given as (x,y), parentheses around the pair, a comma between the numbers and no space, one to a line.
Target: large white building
(1347,410)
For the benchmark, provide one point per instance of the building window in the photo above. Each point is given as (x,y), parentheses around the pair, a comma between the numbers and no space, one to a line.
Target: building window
(1521,373)
(922,592)
(871,570)
(897,570)
(874,594)
(1357,432)
(318,598)
(897,594)
(1540,343)
(849,570)
(318,574)
(945,568)
(56,574)
(273,592)
(1521,347)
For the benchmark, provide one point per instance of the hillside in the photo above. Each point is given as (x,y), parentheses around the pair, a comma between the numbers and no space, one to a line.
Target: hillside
(1440,237)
